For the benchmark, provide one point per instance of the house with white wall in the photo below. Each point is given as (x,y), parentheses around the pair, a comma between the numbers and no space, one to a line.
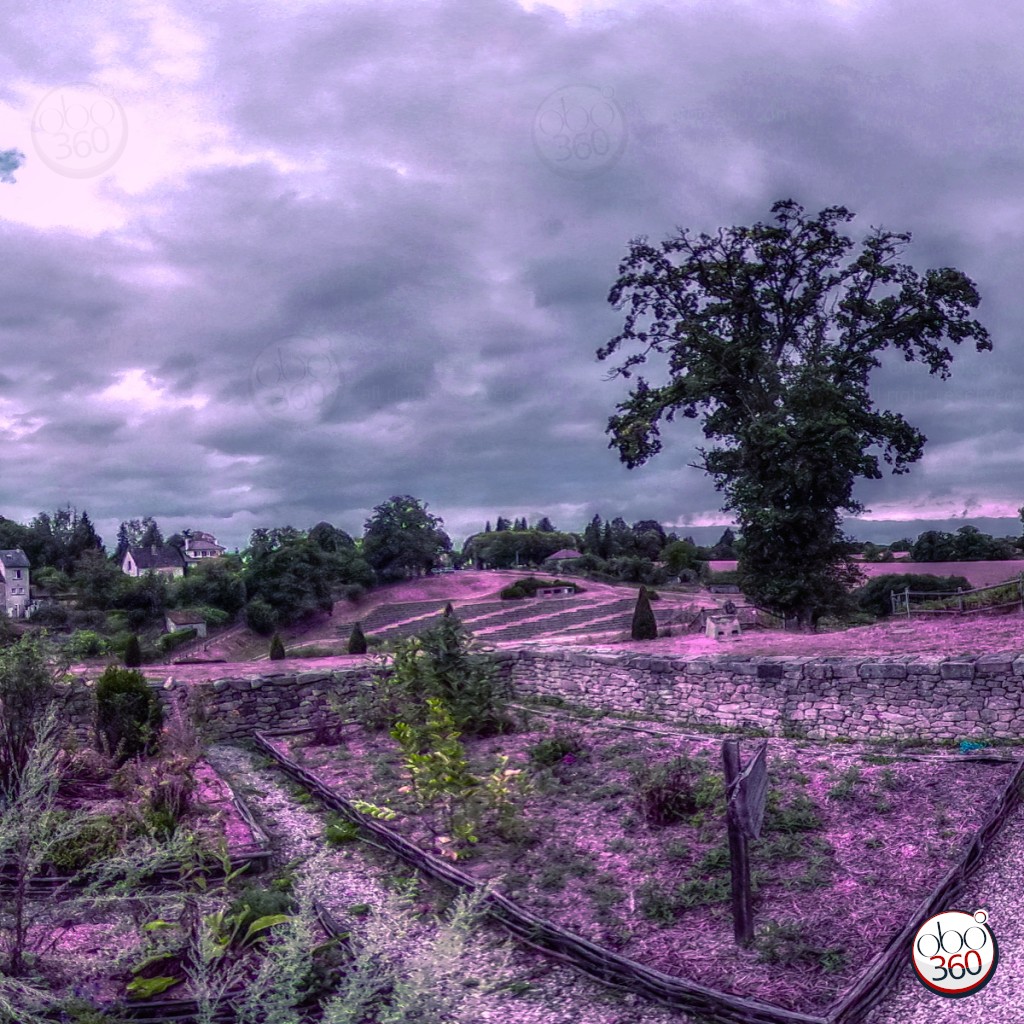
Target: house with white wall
(162,559)
(200,545)
(15,584)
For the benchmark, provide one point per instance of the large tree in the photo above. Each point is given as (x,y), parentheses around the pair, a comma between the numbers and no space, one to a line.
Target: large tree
(403,539)
(771,331)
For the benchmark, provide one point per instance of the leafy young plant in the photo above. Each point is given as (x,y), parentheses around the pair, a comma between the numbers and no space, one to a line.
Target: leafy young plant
(438,770)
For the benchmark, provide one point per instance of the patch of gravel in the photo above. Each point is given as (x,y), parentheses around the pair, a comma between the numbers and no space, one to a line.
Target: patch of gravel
(557,995)
(995,887)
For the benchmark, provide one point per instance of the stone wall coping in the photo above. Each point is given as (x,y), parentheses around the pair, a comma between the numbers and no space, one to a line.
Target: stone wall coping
(723,661)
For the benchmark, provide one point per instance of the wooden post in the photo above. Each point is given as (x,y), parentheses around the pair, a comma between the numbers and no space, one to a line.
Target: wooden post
(739,860)
(960,600)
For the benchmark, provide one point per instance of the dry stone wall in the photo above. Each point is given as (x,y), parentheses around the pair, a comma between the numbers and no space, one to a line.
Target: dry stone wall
(938,699)
(234,706)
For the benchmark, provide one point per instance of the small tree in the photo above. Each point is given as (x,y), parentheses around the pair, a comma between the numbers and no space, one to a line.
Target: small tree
(356,640)
(645,626)
(26,690)
(133,652)
(277,648)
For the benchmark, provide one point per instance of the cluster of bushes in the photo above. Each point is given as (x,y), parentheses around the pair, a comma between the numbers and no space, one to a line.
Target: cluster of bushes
(529,585)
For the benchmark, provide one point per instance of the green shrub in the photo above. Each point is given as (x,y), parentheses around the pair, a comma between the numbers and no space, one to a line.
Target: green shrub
(260,617)
(254,902)
(340,830)
(26,690)
(86,643)
(785,944)
(169,641)
(52,615)
(133,652)
(277,651)
(529,585)
(213,617)
(726,578)
(800,815)
(645,626)
(96,839)
(552,750)
(843,789)
(439,663)
(128,713)
(665,792)
(874,596)
(658,903)
(357,640)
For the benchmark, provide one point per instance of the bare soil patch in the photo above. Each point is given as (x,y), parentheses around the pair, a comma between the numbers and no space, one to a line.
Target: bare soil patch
(853,842)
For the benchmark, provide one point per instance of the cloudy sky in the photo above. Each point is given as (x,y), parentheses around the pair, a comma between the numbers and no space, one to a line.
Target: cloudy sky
(272,263)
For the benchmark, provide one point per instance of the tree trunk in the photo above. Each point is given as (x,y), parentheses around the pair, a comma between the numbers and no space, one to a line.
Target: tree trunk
(806,620)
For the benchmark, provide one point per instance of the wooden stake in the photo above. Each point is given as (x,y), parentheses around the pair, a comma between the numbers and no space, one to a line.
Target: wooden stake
(739,861)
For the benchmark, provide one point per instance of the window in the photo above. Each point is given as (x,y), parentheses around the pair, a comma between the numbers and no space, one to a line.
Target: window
(17,574)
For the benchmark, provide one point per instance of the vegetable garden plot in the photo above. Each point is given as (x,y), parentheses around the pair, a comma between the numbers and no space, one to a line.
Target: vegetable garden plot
(621,839)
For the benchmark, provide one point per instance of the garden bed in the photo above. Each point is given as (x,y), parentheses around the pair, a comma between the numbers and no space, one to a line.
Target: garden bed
(216,816)
(94,958)
(854,842)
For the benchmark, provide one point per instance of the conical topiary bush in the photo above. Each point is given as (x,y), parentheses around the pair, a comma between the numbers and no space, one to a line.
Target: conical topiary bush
(133,652)
(356,640)
(645,626)
(276,649)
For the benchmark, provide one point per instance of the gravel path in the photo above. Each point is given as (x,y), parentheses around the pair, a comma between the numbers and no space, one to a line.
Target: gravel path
(995,887)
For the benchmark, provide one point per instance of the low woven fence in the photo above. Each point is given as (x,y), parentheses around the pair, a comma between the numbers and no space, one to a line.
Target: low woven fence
(619,972)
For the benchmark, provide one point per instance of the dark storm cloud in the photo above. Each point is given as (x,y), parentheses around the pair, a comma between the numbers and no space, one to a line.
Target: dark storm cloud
(392,208)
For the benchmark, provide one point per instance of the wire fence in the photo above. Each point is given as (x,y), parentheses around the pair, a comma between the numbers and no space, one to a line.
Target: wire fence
(966,602)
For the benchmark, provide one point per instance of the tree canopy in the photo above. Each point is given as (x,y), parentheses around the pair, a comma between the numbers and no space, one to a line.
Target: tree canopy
(771,332)
(403,539)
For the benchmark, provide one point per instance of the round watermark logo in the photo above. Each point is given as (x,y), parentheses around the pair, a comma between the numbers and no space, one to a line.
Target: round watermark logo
(295,381)
(79,131)
(579,131)
(954,954)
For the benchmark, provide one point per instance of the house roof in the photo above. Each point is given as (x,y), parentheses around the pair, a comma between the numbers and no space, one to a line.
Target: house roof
(14,558)
(203,545)
(183,618)
(564,553)
(155,557)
